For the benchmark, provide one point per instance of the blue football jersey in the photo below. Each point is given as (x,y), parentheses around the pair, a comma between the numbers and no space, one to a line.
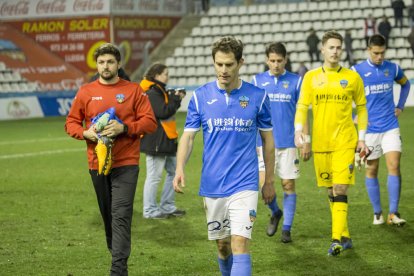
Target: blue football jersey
(229,123)
(379,83)
(283,92)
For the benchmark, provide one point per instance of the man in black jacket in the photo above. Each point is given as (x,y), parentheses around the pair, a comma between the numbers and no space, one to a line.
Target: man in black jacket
(161,146)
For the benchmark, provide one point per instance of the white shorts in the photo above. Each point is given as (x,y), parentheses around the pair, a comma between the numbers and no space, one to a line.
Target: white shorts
(286,162)
(233,215)
(381,143)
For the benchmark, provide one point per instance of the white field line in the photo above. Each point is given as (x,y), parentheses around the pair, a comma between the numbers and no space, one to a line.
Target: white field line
(30,141)
(31,154)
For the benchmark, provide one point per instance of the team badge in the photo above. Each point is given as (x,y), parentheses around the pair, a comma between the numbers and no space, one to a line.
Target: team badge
(386,72)
(285,84)
(120,98)
(351,168)
(244,101)
(343,83)
(252,214)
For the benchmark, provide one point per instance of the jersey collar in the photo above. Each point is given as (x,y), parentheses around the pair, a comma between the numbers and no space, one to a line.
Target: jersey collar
(372,64)
(223,91)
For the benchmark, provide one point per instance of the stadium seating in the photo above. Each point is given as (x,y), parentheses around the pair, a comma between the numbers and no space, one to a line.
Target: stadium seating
(12,82)
(257,25)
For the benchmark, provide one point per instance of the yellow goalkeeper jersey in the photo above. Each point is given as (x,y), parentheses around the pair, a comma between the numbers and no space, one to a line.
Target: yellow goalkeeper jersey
(331,92)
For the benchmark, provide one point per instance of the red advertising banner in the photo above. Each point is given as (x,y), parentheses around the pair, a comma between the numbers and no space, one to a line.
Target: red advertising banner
(131,33)
(74,40)
(36,63)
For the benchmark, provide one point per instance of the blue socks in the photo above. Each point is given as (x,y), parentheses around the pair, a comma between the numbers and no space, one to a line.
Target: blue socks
(393,192)
(225,265)
(289,208)
(373,190)
(242,265)
(273,206)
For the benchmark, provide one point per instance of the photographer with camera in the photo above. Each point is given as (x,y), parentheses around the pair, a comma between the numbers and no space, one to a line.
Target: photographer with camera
(160,147)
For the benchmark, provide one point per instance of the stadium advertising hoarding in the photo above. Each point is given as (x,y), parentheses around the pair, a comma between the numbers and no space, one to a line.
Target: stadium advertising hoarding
(74,39)
(149,7)
(24,9)
(131,33)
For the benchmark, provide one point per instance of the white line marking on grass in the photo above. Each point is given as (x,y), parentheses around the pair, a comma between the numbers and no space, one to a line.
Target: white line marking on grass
(31,154)
(29,141)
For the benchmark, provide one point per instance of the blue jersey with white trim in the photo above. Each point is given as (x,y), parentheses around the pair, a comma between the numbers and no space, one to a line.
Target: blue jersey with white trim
(283,92)
(230,123)
(379,83)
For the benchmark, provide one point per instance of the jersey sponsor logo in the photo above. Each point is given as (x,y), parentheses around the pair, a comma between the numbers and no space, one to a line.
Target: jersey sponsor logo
(344,83)
(328,98)
(229,124)
(279,97)
(99,98)
(285,84)
(252,215)
(244,101)
(367,74)
(120,98)
(378,88)
(212,101)
(265,83)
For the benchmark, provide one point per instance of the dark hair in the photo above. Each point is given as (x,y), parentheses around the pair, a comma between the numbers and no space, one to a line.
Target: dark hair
(332,34)
(155,69)
(107,48)
(228,44)
(376,40)
(276,48)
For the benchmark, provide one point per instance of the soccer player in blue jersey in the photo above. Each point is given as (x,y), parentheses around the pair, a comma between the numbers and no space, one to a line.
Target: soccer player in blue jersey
(383,134)
(230,112)
(283,89)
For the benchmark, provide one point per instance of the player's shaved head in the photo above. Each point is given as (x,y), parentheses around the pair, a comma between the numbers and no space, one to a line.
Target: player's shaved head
(228,44)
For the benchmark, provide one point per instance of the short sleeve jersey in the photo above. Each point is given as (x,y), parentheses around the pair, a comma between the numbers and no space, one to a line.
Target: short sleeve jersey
(379,82)
(283,92)
(229,122)
(331,93)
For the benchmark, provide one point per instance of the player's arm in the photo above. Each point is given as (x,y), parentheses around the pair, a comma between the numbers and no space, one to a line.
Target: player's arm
(268,189)
(405,90)
(305,151)
(185,147)
(301,115)
(361,113)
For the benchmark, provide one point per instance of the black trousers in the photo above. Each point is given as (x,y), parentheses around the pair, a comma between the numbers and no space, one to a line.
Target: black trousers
(115,193)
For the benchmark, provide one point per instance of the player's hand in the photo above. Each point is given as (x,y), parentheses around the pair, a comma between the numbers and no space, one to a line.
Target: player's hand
(268,192)
(305,152)
(90,134)
(112,129)
(361,154)
(299,139)
(179,182)
(397,112)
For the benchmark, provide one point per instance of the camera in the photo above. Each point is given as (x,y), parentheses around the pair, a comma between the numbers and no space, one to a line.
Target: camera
(177,91)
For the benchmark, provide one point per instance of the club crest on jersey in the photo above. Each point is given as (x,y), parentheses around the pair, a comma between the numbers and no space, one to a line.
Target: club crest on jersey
(252,214)
(343,83)
(120,98)
(285,84)
(386,72)
(244,101)
(351,168)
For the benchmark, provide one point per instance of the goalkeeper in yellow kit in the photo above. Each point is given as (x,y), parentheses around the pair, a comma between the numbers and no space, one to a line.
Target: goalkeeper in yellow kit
(330,90)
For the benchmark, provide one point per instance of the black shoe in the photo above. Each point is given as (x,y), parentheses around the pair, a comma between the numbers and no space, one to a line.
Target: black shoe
(274,222)
(286,236)
(177,213)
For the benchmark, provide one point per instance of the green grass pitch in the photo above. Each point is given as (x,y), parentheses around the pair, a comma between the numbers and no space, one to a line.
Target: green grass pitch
(50,223)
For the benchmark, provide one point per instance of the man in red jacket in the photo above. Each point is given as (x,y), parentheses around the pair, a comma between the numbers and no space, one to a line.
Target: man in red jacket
(115,191)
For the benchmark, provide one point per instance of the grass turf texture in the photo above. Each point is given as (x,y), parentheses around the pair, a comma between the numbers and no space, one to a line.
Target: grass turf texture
(50,223)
